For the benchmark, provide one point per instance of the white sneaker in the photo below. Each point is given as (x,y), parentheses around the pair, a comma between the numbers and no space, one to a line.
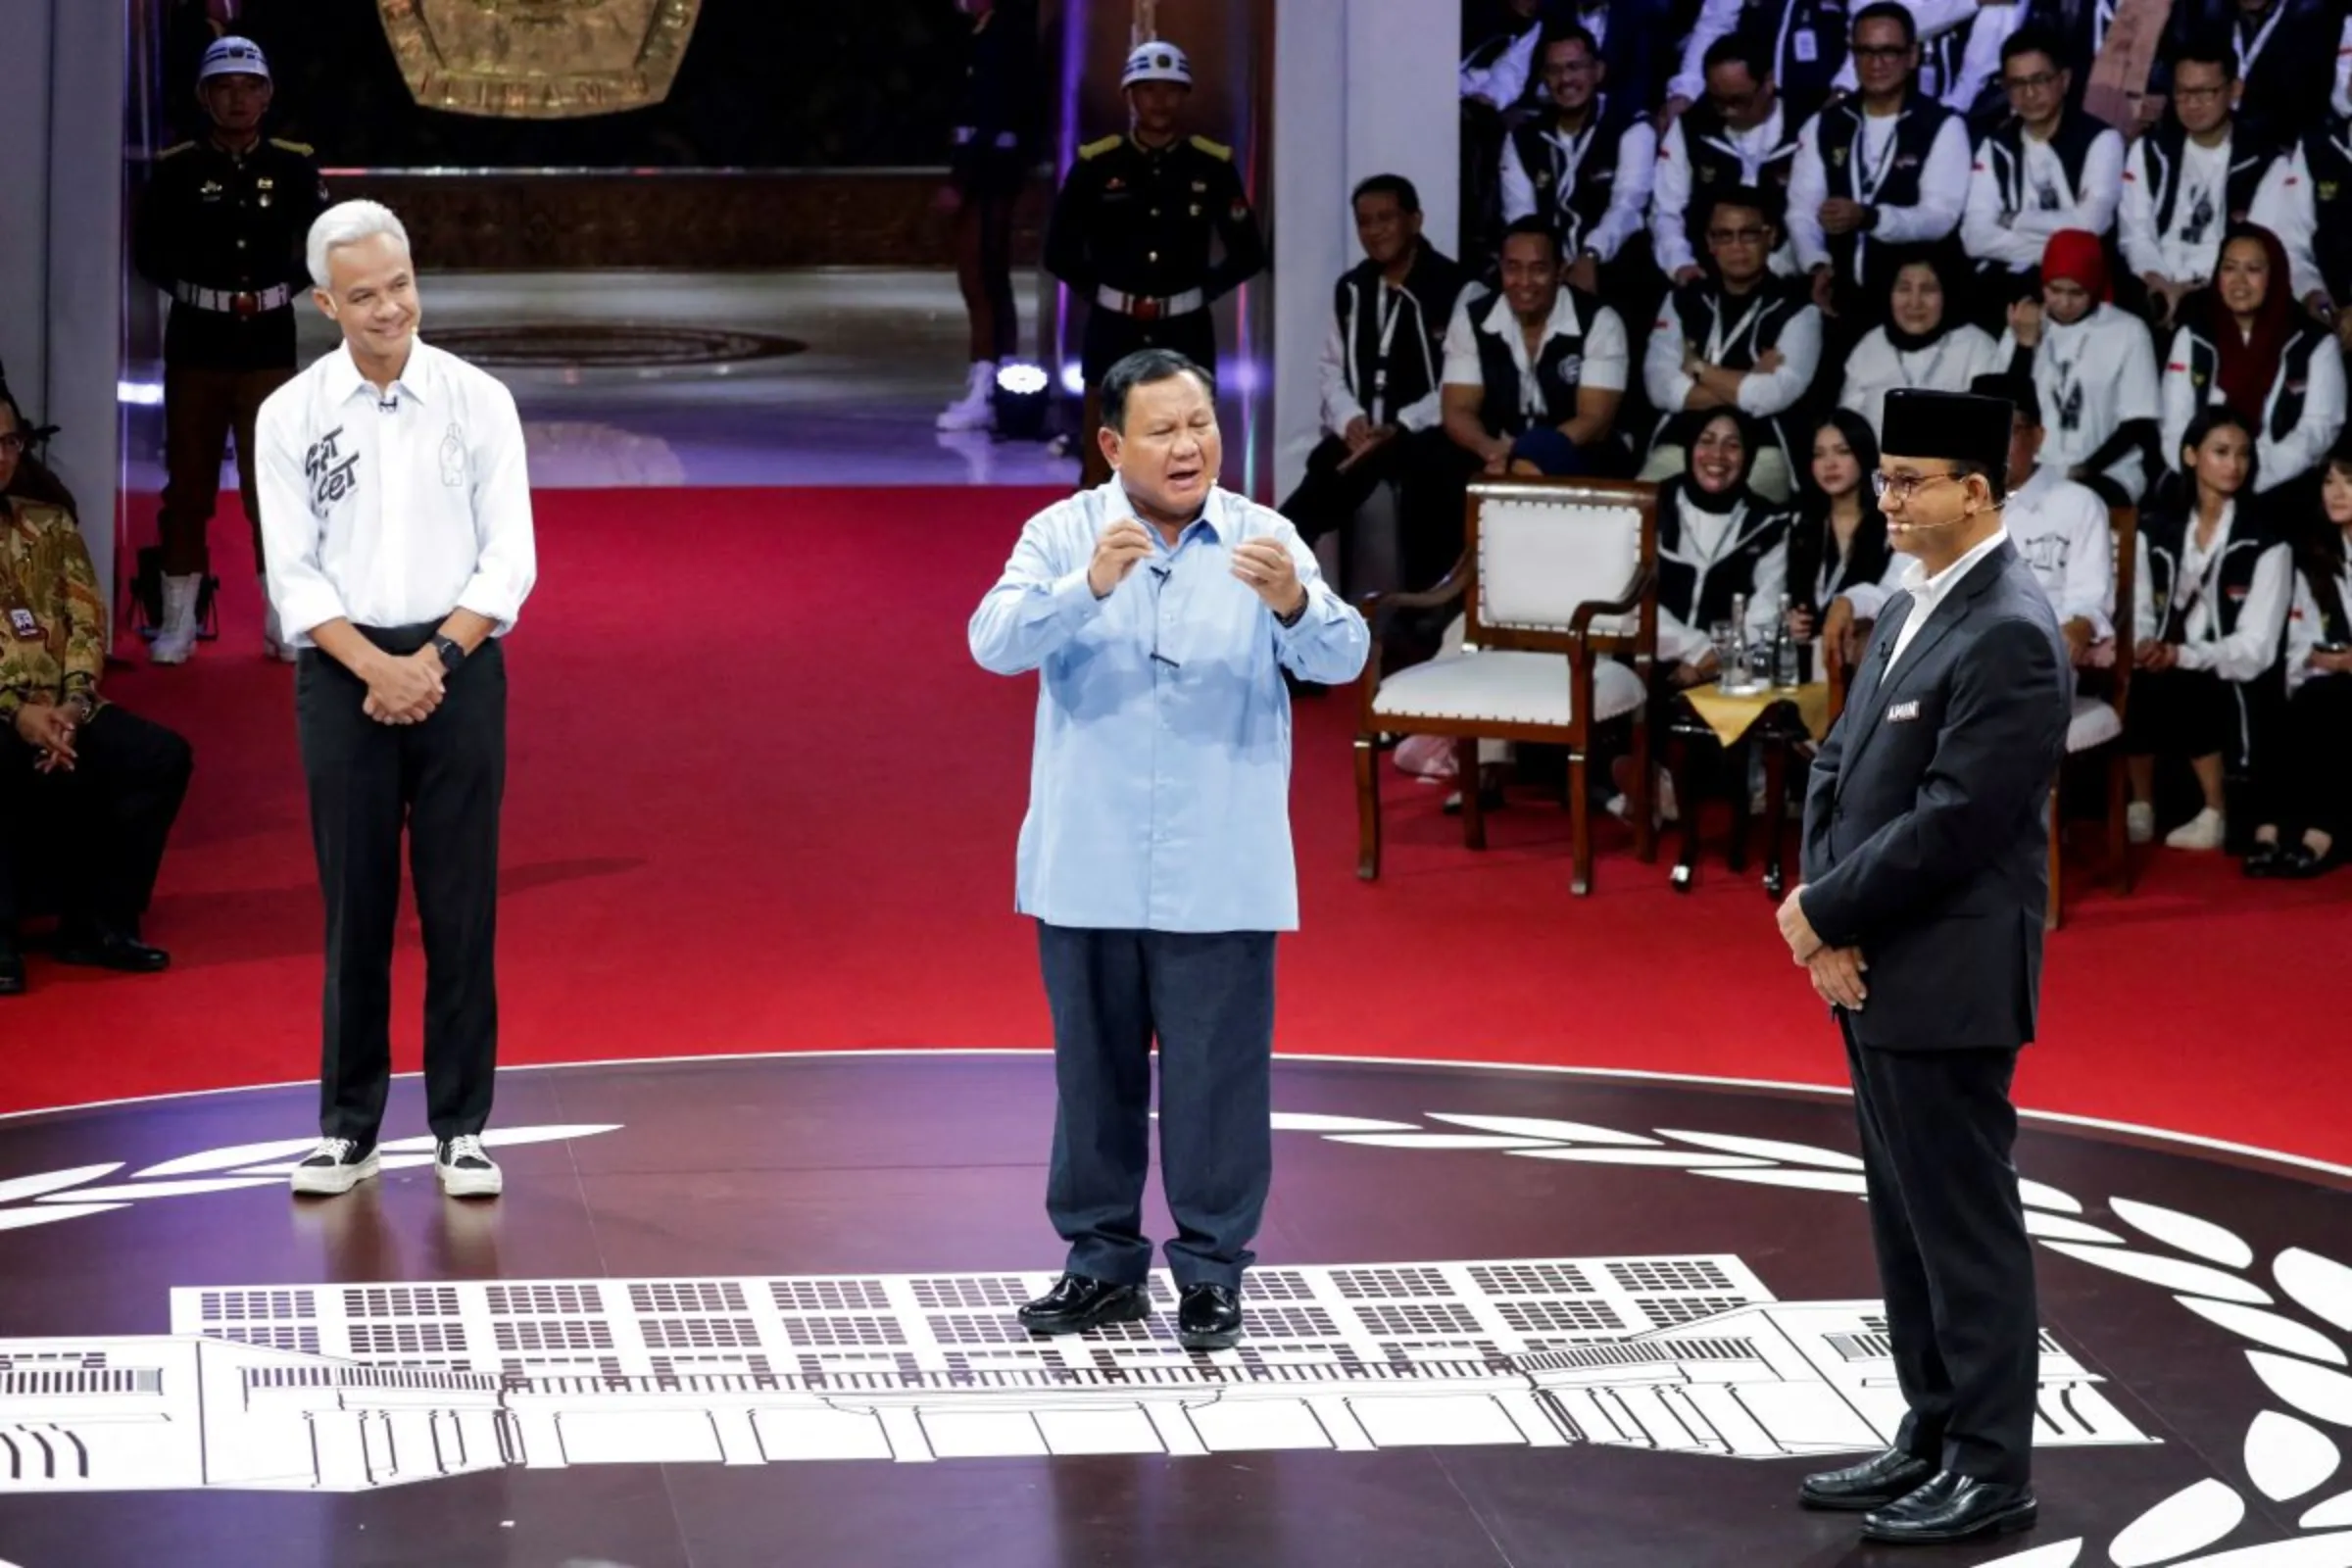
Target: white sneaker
(175,640)
(976,410)
(2139,822)
(2202,831)
(466,1170)
(273,639)
(336,1165)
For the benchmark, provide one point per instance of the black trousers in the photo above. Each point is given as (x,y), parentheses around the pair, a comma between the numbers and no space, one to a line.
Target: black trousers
(1955,1265)
(203,408)
(111,814)
(441,780)
(2184,713)
(1421,463)
(1208,999)
(2311,785)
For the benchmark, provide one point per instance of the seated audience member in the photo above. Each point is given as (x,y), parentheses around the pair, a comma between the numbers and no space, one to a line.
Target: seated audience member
(1960,56)
(1582,164)
(2307,778)
(2050,166)
(1740,136)
(2242,342)
(1842,570)
(1717,541)
(2286,50)
(1534,370)
(1382,366)
(2187,179)
(1886,169)
(2059,526)
(2211,602)
(2093,368)
(1742,339)
(1498,62)
(2306,200)
(1927,341)
(74,768)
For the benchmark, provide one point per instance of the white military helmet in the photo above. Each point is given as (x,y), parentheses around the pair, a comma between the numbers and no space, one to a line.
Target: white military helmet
(233,57)
(1158,61)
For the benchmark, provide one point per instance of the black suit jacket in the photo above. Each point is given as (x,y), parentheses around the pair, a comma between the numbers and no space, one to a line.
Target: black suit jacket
(1927,814)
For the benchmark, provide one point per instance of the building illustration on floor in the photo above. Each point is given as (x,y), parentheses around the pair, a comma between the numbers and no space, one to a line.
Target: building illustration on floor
(345,1388)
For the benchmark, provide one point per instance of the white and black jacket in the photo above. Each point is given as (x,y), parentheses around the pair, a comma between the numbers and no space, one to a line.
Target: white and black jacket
(2006,224)
(1384,357)
(2156,231)
(2299,419)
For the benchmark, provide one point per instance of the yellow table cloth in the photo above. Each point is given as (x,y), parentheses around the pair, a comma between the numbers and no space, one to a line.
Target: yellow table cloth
(1730,718)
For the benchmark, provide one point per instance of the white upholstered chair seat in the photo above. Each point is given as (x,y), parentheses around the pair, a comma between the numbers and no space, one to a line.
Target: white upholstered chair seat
(2094,723)
(1501,686)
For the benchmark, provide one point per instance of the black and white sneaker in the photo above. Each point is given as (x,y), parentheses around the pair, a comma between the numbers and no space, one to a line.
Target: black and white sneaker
(336,1165)
(466,1170)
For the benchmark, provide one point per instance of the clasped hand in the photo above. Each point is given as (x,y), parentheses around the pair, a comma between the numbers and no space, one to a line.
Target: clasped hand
(1263,563)
(1835,972)
(405,689)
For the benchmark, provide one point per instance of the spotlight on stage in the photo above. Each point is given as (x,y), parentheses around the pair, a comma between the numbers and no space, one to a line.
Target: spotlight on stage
(1022,402)
(1073,380)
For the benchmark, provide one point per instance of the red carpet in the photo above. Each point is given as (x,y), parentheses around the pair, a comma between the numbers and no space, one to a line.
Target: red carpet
(762,800)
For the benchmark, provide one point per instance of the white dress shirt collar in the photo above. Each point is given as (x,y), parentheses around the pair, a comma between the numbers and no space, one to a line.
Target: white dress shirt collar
(345,379)
(1927,593)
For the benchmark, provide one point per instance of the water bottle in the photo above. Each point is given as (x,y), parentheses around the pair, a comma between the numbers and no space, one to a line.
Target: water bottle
(1784,650)
(1734,668)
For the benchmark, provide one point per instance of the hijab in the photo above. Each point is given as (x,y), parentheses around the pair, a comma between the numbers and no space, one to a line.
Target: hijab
(1954,279)
(2075,256)
(2249,361)
(1732,497)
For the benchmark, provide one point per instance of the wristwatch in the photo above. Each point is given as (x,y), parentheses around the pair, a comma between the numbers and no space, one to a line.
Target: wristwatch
(451,652)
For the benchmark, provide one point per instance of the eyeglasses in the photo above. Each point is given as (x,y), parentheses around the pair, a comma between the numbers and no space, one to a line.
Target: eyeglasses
(2040,82)
(1901,486)
(1735,236)
(2202,95)
(1880,52)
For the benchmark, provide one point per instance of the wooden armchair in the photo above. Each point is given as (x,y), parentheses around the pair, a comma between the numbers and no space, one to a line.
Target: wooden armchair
(1558,584)
(2101,696)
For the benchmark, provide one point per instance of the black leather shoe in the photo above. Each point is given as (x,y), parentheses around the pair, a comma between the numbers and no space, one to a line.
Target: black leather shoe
(1860,1488)
(12,970)
(2264,858)
(103,948)
(1953,1506)
(1209,1318)
(2302,863)
(1077,1304)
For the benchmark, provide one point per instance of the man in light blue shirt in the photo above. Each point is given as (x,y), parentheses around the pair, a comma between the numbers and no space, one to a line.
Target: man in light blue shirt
(1160,612)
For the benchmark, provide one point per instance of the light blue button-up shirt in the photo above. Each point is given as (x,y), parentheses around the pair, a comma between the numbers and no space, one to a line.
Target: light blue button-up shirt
(1159,792)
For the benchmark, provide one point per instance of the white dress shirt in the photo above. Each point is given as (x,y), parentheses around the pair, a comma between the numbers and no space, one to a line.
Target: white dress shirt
(1929,592)
(2188,250)
(1340,405)
(393,511)
(1762,393)
(1607,360)
(1942,190)
(1990,232)
(2305,629)
(2061,529)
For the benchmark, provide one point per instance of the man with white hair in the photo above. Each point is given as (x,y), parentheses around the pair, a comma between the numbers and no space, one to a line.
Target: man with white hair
(219,229)
(396,514)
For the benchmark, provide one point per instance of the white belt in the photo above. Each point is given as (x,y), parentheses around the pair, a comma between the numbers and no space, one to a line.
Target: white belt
(1146,308)
(231,302)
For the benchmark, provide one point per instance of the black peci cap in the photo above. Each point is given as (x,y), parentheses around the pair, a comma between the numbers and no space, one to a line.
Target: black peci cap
(1957,426)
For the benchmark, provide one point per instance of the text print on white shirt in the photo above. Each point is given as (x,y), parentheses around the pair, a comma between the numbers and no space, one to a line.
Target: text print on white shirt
(330,481)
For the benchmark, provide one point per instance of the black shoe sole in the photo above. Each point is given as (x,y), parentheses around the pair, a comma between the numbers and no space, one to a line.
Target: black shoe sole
(1225,1339)
(1867,1502)
(2009,1522)
(1134,1310)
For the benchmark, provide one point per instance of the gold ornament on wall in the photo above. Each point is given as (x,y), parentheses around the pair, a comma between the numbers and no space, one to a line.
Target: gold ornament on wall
(539,59)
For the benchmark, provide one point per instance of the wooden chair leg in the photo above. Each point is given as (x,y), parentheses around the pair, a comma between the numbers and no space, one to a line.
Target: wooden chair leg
(1678,769)
(1776,813)
(2053,912)
(1742,819)
(2119,821)
(1367,808)
(1466,773)
(1580,825)
(1641,799)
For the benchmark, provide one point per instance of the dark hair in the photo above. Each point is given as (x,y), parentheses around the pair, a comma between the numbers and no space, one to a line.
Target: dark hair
(2017,390)
(2321,547)
(2209,48)
(1531,223)
(2031,39)
(2211,417)
(1740,48)
(1809,540)
(1888,10)
(1145,367)
(8,400)
(1561,32)
(1746,196)
(1409,200)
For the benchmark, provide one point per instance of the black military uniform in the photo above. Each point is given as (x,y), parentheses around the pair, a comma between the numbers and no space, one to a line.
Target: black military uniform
(223,234)
(1130,234)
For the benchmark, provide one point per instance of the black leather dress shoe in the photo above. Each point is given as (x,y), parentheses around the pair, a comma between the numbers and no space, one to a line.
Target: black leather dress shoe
(2264,858)
(100,949)
(1077,1304)
(1860,1488)
(12,970)
(1209,1318)
(2302,863)
(1952,1507)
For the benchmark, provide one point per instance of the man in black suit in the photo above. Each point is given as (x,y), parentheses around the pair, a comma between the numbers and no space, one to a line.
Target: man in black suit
(1920,920)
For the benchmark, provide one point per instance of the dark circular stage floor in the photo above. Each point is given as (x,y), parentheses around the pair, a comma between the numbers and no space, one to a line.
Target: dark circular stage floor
(756,1310)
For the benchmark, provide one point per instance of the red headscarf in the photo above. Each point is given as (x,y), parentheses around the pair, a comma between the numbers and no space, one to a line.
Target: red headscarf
(2250,359)
(2075,256)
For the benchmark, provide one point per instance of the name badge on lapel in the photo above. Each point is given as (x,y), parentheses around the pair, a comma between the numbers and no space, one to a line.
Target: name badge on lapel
(22,626)
(1900,711)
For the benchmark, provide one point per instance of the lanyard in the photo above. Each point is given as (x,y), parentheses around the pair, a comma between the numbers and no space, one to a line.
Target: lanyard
(1722,335)
(1392,306)
(1864,192)
(1927,378)
(2250,51)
